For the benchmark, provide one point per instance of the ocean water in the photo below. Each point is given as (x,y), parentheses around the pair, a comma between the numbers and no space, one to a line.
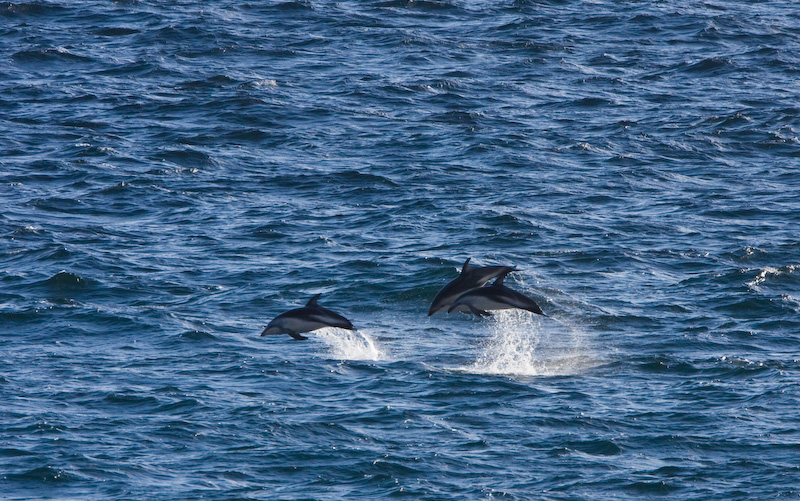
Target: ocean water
(173,175)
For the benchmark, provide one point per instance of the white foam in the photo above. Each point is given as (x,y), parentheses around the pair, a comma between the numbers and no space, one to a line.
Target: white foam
(350,345)
(769,272)
(265,82)
(525,344)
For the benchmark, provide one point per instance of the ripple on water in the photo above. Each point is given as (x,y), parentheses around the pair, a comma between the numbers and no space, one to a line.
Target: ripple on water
(173,172)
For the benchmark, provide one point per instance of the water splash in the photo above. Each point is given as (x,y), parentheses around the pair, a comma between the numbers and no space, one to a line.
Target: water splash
(350,345)
(524,344)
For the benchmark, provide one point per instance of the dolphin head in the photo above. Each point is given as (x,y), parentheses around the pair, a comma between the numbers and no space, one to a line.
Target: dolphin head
(272,329)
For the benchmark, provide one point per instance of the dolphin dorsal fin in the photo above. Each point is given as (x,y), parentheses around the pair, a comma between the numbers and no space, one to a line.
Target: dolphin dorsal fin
(466,265)
(499,281)
(313,300)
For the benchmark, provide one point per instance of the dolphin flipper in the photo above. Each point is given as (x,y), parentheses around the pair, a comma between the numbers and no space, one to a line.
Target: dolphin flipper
(297,336)
(479,313)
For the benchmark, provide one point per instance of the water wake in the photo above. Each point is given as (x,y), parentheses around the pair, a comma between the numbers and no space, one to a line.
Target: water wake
(528,345)
(350,345)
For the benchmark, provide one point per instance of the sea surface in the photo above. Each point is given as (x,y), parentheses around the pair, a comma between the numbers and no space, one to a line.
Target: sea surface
(175,174)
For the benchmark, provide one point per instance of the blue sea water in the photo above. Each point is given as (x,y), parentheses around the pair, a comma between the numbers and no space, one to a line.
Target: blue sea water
(175,174)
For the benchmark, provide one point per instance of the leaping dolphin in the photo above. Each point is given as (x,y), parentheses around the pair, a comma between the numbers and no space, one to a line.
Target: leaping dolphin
(494,297)
(471,277)
(308,318)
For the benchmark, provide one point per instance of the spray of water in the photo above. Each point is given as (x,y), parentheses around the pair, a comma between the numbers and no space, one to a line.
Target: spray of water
(524,344)
(350,345)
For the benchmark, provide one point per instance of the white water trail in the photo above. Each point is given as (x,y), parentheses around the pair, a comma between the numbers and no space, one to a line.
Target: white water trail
(524,344)
(350,345)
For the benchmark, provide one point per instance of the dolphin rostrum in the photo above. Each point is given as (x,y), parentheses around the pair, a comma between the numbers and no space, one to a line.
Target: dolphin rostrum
(494,297)
(308,318)
(471,277)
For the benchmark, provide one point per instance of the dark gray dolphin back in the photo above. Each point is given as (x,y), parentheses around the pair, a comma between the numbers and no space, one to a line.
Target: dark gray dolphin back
(471,277)
(495,297)
(310,317)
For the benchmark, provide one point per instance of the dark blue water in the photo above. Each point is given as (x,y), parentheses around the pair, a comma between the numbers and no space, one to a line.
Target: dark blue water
(175,174)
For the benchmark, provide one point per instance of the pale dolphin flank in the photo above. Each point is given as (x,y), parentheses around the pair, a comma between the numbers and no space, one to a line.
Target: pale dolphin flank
(494,297)
(308,318)
(471,277)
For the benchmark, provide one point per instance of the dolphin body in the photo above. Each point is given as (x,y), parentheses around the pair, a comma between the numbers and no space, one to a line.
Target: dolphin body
(308,318)
(471,277)
(494,297)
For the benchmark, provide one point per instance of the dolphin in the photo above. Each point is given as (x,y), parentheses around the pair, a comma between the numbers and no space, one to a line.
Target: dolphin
(308,318)
(471,277)
(494,297)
